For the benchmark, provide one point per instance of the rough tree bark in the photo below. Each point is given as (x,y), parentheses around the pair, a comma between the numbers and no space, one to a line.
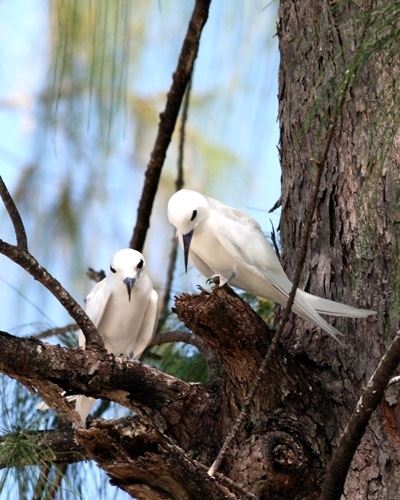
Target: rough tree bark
(312,384)
(353,250)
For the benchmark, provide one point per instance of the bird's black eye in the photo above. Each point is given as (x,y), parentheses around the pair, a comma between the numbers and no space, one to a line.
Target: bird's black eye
(194,215)
(140,265)
(112,269)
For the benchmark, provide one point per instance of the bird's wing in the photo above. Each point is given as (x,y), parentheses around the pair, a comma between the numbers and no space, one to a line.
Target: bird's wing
(243,239)
(148,325)
(96,301)
(95,304)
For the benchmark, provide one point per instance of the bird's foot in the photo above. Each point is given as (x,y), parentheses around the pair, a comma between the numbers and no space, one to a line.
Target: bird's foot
(220,280)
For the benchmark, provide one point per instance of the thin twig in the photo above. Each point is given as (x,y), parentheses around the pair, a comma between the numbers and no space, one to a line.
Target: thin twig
(168,120)
(56,483)
(178,185)
(182,135)
(42,481)
(96,276)
(285,316)
(394,380)
(231,484)
(15,216)
(274,242)
(73,327)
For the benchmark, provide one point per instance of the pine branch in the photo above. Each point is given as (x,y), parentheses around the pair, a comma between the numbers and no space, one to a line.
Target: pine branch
(42,481)
(56,482)
(51,447)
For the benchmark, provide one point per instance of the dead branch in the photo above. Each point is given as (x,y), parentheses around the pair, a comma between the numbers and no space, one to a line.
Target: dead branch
(354,431)
(15,216)
(31,265)
(158,469)
(168,120)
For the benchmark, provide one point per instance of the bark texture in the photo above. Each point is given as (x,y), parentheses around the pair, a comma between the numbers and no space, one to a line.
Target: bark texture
(353,250)
(166,450)
(311,387)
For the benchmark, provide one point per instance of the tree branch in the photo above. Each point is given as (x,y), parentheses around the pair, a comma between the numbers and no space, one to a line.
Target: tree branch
(194,340)
(53,447)
(62,447)
(285,316)
(30,264)
(179,182)
(44,367)
(158,469)
(240,339)
(168,119)
(15,216)
(343,454)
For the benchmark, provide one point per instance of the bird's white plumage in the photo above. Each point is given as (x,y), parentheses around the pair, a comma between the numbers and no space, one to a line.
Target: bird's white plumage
(126,319)
(226,242)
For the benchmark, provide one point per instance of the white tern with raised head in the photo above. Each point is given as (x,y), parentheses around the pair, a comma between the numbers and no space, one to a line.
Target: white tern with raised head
(226,242)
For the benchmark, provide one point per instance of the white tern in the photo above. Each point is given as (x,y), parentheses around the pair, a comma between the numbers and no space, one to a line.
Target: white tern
(124,308)
(226,242)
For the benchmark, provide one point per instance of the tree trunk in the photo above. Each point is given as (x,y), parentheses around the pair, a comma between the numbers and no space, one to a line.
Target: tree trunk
(353,248)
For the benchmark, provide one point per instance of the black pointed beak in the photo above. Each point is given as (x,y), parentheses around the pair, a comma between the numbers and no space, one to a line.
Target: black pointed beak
(130,283)
(187,238)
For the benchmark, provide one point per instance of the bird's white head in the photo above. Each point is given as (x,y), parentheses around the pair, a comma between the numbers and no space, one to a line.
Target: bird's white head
(186,210)
(129,266)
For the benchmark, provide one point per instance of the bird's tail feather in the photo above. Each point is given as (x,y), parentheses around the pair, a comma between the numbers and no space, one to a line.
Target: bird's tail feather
(310,307)
(306,311)
(83,406)
(325,306)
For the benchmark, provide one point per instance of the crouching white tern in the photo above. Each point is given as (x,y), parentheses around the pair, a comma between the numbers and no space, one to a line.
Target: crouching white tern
(124,308)
(226,242)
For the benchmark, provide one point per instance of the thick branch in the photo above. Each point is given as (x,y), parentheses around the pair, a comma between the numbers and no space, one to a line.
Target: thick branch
(72,369)
(354,431)
(168,120)
(148,465)
(239,337)
(186,419)
(141,388)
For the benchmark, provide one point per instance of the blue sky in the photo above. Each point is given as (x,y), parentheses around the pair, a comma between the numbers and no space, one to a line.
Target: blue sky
(236,84)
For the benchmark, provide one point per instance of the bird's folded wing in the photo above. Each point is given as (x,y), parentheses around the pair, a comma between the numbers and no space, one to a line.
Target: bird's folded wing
(148,326)
(96,302)
(243,239)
